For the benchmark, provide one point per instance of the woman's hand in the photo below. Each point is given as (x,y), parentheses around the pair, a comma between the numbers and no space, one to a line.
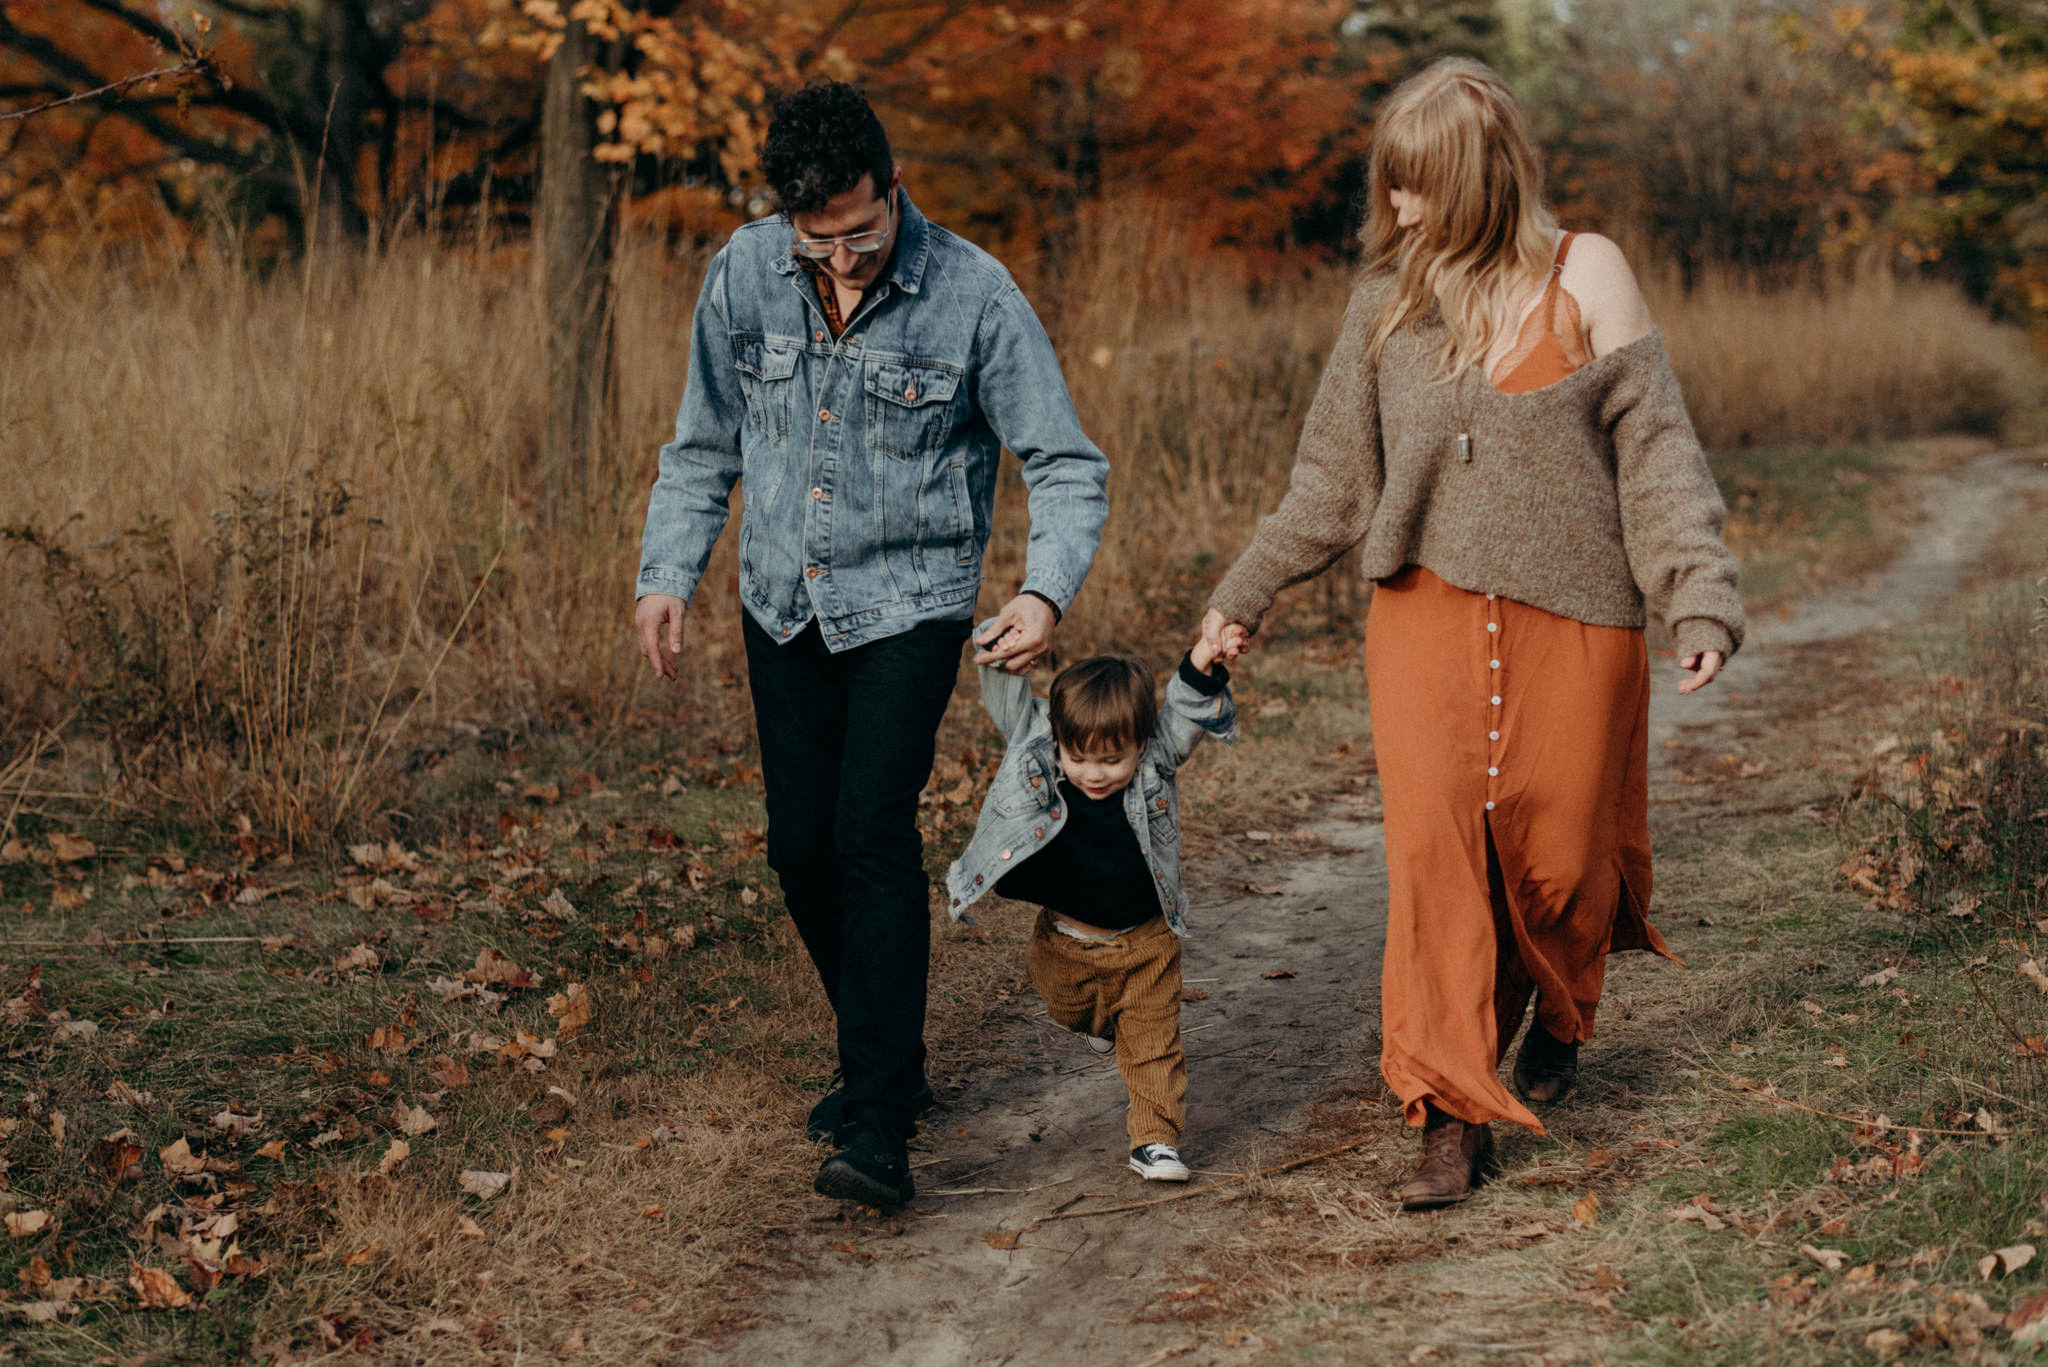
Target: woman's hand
(1703,667)
(1227,640)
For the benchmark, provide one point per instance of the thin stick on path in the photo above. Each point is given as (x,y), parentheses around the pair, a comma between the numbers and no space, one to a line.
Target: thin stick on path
(1201,1191)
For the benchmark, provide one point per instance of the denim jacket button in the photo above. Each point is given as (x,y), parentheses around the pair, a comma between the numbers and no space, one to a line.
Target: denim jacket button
(1039,832)
(1162,804)
(1036,781)
(1006,854)
(824,415)
(1055,814)
(817,493)
(810,572)
(818,336)
(910,395)
(977,878)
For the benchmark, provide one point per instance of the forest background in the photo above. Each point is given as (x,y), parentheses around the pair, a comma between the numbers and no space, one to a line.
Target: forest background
(380,301)
(337,338)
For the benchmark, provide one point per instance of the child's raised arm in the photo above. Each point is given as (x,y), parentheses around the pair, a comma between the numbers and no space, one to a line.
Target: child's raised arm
(1007,696)
(1198,703)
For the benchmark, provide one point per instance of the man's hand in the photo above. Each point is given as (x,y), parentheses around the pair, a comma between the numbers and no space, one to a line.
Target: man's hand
(1019,635)
(1227,640)
(1703,667)
(659,616)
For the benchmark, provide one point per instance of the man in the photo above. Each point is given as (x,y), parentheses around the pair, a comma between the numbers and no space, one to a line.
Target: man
(862,368)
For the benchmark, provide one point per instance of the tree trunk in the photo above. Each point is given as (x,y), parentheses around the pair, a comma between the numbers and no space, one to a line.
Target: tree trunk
(577,220)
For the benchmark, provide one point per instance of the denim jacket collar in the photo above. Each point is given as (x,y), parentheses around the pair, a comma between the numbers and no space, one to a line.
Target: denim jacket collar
(913,247)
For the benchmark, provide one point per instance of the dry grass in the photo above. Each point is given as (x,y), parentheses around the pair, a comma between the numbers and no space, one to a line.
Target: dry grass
(154,396)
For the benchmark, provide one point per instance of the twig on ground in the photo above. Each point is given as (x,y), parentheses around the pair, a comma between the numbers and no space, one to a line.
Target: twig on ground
(1202,1191)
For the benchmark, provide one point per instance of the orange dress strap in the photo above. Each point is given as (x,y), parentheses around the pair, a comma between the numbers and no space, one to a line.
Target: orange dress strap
(1551,343)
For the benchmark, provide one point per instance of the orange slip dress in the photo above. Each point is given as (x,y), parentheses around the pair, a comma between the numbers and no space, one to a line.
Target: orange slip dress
(1514,765)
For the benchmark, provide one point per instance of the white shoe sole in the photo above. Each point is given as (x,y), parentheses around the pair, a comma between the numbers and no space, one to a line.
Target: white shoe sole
(1161,1172)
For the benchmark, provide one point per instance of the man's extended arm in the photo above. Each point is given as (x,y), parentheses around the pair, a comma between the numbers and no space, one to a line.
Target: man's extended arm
(693,488)
(693,491)
(1023,395)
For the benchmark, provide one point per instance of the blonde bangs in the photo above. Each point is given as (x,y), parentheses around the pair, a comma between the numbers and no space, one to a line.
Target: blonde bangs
(1455,135)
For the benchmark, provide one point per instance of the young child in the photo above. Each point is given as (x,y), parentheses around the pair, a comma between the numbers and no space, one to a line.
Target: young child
(1083,818)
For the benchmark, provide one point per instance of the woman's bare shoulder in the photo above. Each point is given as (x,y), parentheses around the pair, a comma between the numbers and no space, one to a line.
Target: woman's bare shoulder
(1611,304)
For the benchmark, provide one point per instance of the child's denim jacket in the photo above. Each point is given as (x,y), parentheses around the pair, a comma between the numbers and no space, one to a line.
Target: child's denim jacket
(1023,810)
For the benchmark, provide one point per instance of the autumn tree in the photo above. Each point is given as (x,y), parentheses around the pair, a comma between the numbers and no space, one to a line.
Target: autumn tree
(1698,127)
(1965,84)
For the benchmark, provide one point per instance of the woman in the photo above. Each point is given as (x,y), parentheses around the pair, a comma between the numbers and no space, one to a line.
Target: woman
(1500,427)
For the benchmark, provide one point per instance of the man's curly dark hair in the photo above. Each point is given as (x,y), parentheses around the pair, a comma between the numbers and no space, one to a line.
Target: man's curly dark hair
(822,140)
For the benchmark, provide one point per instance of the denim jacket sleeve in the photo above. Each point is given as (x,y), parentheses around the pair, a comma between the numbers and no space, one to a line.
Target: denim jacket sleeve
(692,495)
(1197,704)
(1007,696)
(1024,397)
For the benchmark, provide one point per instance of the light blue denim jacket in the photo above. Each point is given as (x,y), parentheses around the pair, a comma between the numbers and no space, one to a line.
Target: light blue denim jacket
(1023,810)
(869,459)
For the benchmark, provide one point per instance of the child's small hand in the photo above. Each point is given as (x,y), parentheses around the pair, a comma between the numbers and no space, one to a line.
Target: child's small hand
(1201,655)
(1226,639)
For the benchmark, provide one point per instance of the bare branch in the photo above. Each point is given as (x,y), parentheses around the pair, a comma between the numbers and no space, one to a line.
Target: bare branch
(191,66)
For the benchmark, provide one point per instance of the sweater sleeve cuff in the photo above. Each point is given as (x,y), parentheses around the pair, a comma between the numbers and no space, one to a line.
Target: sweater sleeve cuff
(1208,685)
(1695,635)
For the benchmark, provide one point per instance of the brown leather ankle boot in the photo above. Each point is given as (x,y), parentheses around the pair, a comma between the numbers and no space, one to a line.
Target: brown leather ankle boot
(1545,1066)
(1455,1157)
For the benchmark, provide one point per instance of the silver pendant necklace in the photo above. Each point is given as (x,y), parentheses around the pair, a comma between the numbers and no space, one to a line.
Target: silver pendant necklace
(1464,424)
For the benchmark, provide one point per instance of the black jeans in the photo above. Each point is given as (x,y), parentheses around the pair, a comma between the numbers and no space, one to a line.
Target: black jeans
(846,747)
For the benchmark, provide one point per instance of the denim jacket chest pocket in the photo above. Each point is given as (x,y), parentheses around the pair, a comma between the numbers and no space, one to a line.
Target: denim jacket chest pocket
(1027,781)
(767,370)
(1160,815)
(910,407)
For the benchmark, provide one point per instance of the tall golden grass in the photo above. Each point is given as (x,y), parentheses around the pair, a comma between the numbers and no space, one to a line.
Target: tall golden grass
(157,395)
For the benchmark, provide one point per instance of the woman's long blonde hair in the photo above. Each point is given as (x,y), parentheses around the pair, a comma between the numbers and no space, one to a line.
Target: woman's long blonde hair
(1456,135)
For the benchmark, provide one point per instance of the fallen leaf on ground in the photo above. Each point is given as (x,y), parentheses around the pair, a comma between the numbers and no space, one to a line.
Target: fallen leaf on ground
(46,1312)
(414,1119)
(158,1289)
(23,1223)
(1695,1211)
(468,1228)
(448,1072)
(1193,994)
(235,1123)
(1879,978)
(1278,973)
(393,1156)
(180,1159)
(2028,1320)
(485,1184)
(1833,1259)
(654,1212)
(69,849)
(570,1006)
(1886,1344)
(1586,1209)
(1258,837)
(2031,971)
(2005,1261)
(1003,1240)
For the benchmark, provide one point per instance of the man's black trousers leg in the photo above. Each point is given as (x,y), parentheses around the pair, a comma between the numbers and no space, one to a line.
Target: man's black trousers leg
(846,746)
(800,714)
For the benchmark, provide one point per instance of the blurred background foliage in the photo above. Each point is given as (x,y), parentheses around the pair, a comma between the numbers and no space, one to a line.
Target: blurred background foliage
(1787,140)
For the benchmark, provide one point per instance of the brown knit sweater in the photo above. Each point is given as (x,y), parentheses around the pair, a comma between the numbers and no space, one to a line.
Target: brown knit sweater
(1582,498)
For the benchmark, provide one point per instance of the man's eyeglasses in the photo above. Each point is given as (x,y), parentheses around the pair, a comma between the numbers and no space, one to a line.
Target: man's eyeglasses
(863,244)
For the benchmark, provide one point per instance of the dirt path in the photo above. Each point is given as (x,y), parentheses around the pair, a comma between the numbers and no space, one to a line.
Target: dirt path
(930,1287)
